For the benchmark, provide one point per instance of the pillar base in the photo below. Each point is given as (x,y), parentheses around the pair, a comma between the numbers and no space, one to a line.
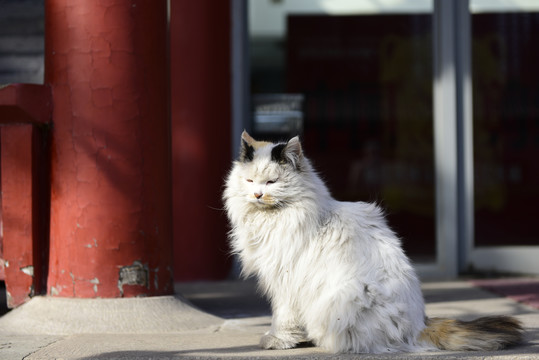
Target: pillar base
(67,316)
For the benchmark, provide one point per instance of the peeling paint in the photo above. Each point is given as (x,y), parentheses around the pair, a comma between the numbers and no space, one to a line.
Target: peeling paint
(156,279)
(95,281)
(73,282)
(136,274)
(28,270)
(89,246)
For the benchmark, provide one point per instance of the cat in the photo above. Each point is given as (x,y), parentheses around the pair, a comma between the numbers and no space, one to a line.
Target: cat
(334,272)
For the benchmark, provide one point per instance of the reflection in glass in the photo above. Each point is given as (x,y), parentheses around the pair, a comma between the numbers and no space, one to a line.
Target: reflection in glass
(505,59)
(368,123)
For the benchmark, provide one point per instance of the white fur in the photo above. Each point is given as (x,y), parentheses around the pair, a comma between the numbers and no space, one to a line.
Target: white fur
(334,271)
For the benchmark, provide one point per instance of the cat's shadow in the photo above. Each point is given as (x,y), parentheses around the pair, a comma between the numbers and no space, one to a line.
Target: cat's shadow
(305,344)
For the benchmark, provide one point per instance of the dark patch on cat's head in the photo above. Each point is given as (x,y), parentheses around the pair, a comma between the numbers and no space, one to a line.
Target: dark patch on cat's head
(249,146)
(277,154)
(247,152)
(289,153)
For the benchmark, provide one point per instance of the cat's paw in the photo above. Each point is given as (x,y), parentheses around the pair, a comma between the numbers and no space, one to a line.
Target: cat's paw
(269,341)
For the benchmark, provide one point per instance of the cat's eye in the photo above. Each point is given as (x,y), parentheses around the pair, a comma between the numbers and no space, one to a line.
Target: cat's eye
(249,180)
(271,182)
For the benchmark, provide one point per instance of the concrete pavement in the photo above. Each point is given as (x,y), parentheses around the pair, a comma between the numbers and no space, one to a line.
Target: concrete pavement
(169,328)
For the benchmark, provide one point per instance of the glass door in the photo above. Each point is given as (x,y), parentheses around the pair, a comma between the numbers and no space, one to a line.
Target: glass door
(505,60)
(392,112)
(364,71)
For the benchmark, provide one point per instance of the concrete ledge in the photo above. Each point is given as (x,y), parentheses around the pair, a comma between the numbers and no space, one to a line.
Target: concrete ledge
(68,316)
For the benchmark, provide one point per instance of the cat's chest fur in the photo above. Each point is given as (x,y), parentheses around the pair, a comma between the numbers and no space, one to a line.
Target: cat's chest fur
(278,241)
(292,249)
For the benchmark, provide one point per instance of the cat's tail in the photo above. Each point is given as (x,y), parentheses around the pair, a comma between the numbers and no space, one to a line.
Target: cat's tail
(486,333)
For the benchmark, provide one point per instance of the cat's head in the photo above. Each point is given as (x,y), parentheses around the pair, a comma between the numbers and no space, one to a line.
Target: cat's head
(269,174)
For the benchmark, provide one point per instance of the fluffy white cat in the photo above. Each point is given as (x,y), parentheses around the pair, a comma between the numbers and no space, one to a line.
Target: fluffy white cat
(334,271)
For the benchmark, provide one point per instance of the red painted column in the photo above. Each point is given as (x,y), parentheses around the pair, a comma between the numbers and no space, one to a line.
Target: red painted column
(201,118)
(106,62)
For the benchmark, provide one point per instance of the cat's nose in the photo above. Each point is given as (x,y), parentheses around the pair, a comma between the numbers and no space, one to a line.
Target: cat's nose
(258,195)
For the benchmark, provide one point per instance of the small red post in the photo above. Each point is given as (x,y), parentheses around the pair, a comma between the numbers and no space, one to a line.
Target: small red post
(106,62)
(17,212)
(25,112)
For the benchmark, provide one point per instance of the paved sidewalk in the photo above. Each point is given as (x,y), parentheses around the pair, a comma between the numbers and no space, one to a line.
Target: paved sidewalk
(167,328)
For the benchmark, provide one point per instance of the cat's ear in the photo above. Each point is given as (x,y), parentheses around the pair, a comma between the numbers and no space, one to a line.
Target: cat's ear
(247,150)
(247,138)
(289,153)
(294,147)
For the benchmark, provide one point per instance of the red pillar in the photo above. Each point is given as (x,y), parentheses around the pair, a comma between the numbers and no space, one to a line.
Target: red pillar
(106,62)
(200,109)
